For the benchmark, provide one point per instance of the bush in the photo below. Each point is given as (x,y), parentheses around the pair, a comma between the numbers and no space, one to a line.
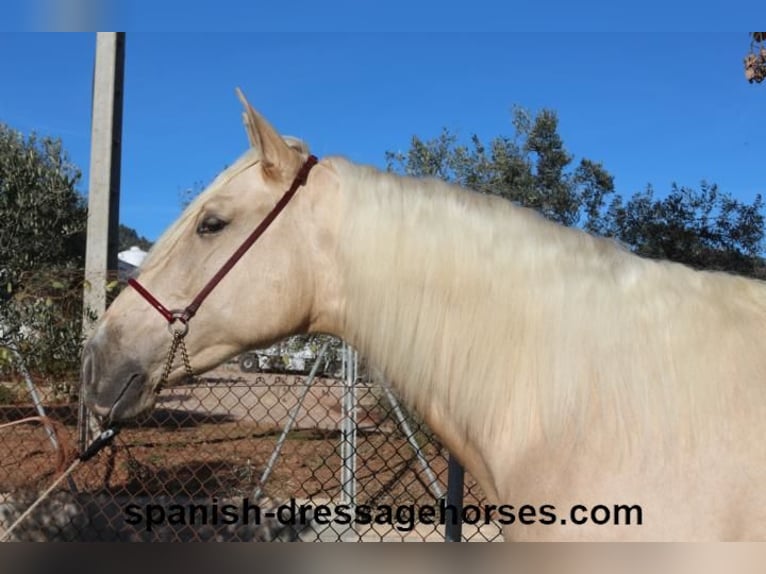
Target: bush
(42,248)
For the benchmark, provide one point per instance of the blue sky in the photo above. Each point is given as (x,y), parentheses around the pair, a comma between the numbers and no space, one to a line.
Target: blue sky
(653,107)
(375,15)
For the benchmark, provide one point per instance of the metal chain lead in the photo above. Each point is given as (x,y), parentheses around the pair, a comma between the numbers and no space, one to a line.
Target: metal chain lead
(178,341)
(185,356)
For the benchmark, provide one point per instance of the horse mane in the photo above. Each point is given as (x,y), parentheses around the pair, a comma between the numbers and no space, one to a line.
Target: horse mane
(441,283)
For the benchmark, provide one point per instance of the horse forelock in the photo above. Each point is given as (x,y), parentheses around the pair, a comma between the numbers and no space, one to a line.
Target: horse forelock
(522,328)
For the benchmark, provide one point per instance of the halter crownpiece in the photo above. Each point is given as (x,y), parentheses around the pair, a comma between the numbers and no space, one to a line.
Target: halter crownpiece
(183,316)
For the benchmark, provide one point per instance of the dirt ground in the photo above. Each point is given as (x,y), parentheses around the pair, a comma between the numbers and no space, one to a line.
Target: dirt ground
(213,438)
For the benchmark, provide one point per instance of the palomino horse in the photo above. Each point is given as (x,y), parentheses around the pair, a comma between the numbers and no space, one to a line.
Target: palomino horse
(575,381)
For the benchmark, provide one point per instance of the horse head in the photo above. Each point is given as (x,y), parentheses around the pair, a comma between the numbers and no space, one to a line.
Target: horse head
(270,293)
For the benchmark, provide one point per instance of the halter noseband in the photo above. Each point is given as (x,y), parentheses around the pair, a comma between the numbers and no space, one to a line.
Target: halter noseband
(171,316)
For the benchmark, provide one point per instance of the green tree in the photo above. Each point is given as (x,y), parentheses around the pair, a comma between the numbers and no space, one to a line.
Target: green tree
(129,237)
(532,168)
(43,216)
(42,244)
(703,228)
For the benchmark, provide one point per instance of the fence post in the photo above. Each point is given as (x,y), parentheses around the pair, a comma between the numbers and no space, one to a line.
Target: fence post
(103,190)
(104,178)
(348,445)
(453,531)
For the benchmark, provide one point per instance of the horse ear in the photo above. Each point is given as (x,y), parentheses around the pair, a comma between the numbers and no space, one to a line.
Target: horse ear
(277,157)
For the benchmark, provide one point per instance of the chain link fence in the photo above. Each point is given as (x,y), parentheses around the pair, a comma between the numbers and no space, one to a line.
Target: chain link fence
(236,455)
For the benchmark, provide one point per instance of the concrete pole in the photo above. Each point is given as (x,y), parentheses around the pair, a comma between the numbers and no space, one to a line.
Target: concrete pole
(103,191)
(104,182)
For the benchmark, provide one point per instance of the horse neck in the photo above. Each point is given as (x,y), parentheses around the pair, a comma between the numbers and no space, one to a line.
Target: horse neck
(419,300)
(508,332)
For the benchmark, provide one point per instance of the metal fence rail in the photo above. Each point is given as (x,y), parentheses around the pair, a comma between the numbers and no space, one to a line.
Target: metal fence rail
(290,456)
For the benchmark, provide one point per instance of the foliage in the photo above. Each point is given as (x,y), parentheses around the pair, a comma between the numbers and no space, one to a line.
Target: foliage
(187,195)
(755,61)
(8,396)
(532,168)
(129,237)
(704,228)
(42,245)
(43,216)
(43,322)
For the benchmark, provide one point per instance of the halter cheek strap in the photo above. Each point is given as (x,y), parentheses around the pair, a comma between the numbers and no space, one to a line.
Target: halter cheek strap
(171,316)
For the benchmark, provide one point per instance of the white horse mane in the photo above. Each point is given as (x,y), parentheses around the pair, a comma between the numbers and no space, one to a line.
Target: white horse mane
(589,332)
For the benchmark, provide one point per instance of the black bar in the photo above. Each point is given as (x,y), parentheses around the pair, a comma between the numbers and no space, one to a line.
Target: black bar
(453,531)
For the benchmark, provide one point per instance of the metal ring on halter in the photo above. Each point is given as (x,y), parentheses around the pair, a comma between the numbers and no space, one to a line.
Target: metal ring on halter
(178,316)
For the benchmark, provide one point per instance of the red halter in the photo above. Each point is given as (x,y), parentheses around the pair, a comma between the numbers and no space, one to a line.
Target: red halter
(186,314)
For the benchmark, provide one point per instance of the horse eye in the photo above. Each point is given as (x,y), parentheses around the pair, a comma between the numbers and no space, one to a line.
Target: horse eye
(211,224)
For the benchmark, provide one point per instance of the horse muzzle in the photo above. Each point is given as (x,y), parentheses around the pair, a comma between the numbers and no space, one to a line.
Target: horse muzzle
(114,390)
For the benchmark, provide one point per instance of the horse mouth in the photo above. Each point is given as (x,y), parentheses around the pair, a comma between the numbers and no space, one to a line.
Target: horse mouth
(130,401)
